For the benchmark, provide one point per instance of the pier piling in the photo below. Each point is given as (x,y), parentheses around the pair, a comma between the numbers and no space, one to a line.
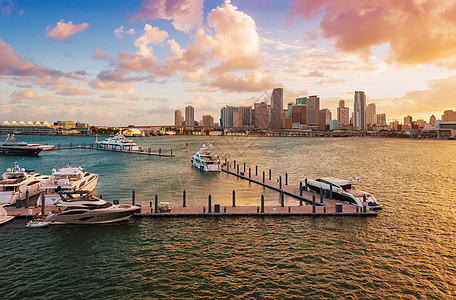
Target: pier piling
(286,178)
(249,174)
(209,205)
(269,174)
(234,198)
(184,195)
(133,197)
(262,203)
(256,170)
(43,202)
(156,203)
(330,191)
(282,200)
(305,185)
(280,182)
(313,204)
(263,176)
(26,203)
(237,169)
(321,195)
(300,188)
(244,167)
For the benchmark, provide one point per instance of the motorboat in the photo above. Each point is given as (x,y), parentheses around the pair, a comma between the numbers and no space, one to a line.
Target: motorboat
(84,208)
(66,180)
(4,216)
(38,222)
(344,190)
(13,147)
(206,160)
(17,181)
(118,142)
(43,147)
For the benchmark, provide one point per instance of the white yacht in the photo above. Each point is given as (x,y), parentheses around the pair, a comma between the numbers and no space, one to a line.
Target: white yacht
(344,190)
(118,142)
(66,180)
(206,160)
(87,209)
(16,182)
(4,216)
(13,147)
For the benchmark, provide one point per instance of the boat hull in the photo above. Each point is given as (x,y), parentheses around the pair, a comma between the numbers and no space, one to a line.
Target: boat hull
(83,216)
(20,151)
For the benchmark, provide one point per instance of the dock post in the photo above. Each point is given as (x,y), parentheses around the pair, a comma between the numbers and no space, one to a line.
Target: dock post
(330,191)
(286,178)
(280,182)
(234,164)
(256,170)
(234,198)
(156,203)
(263,176)
(282,201)
(237,168)
(324,209)
(209,205)
(26,204)
(289,209)
(227,166)
(171,152)
(305,185)
(43,202)
(244,167)
(225,161)
(250,174)
(159,151)
(269,174)
(321,195)
(313,204)
(184,199)
(364,198)
(262,203)
(133,198)
(300,188)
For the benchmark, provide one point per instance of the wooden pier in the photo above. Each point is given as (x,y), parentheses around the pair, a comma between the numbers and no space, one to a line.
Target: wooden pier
(95,147)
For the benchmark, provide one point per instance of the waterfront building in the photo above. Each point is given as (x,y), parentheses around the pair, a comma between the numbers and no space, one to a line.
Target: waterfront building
(223,117)
(208,121)
(408,120)
(301,101)
(313,112)
(189,116)
(449,116)
(371,114)
(290,110)
(178,118)
(287,123)
(421,123)
(359,111)
(64,124)
(299,116)
(237,118)
(343,114)
(381,119)
(261,115)
(334,125)
(246,114)
(432,120)
(324,119)
(252,116)
(276,108)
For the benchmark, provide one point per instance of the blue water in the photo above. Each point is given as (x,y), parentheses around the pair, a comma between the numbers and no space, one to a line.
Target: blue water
(408,251)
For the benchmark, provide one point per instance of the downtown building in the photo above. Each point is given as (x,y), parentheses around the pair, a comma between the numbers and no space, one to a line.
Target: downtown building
(276,108)
(178,118)
(313,110)
(359,111)
(261,115)
(189,116)
(343,114)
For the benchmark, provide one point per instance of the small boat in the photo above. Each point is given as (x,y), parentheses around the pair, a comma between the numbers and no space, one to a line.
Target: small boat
(118,142)
(4,216)
(206,160)
(13,147)
(38,222)
(43,147)
(67,179)
(88,209)
(344,190)
(17,181)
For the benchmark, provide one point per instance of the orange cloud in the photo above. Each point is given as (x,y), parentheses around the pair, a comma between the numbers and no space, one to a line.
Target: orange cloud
(27,95)
(63,30)
(252,82)
(186,14)
(417,31)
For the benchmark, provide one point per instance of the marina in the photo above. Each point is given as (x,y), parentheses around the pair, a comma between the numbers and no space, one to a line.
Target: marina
(95,146)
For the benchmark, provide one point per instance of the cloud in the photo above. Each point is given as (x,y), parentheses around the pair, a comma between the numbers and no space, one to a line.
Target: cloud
(252,82)
(120,32)
(417,31)
(29,94)
(63,30)
(152,35)
(100,54)
(7,7)
(186,14)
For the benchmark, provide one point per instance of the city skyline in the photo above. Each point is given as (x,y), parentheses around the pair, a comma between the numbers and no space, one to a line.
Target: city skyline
(136,62)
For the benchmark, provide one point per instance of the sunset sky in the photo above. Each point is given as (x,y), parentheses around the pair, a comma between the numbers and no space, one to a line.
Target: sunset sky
(135,62)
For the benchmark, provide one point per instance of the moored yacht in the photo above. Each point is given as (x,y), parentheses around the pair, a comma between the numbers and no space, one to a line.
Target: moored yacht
(16,182)
(206,160)
(118,142)
(87,209)
(13,147)
(344,190)
(67,180)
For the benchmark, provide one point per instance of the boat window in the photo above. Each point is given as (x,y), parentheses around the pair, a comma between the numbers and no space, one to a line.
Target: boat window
(72,212)
(86,174)
(33,182)
(82,184)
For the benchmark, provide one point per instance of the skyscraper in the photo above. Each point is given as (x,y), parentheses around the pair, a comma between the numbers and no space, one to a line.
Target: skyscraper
(359,111)
(299,116)
(343,114)
(261,115)
(324,119)
(223,117)
(178,118)
(276,108)
(313,111)
(432,120)
(381,119)
(237,118)
(371,112)
(408,120)
(189,116)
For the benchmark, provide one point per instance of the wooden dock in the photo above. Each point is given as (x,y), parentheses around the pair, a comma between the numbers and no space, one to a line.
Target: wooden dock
(140,152)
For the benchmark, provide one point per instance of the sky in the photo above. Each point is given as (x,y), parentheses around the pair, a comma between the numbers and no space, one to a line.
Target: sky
(135,62)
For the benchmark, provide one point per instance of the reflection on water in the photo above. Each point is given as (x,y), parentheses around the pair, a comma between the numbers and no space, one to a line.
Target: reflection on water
(407,251)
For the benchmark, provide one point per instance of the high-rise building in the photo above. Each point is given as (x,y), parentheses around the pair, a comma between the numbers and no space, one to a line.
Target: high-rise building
(189,116)
(381,119)
(246,115)
(223,117)
(324,119)
(178,118)
(371,112)
(343,114)
(237,118)
(313,111)
(299,116)
(408,120)
(208,121)
(359,111)
(276,108)
(261,115)
(290,110)
(301,100)
(432,120)
(449,116)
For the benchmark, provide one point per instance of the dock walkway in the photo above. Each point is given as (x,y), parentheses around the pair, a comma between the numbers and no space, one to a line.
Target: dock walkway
(140,152)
